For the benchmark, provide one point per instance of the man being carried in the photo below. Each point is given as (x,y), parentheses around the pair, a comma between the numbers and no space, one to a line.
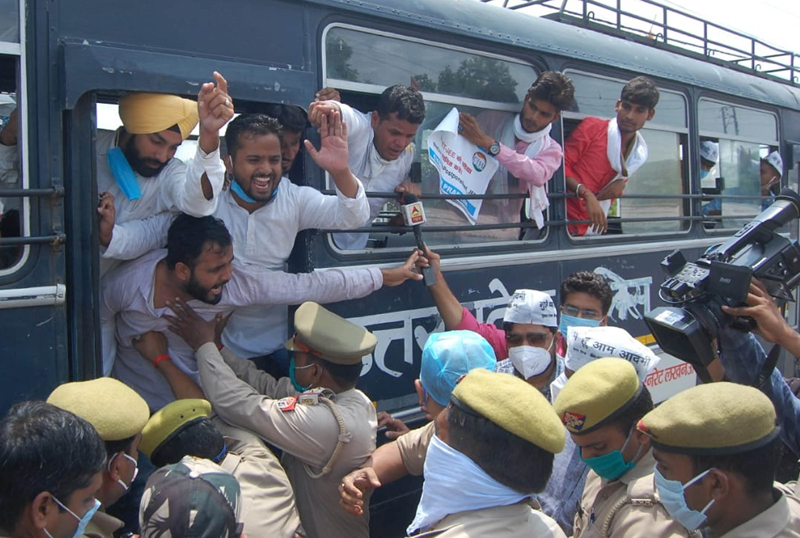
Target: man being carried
(138,175)
(600,155)
(324,432)
(264,213)
(197,266)
(600,406)
(523,145)
(380,145)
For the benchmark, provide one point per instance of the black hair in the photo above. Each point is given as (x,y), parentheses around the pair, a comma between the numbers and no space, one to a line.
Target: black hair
(632,412)
(406,102)
(200,439)
(553,87)
(509,459)
(756,467)
(187,238)
(115,447)
(589,283)
(640,91)
(44,448)
(292,118)
(344,374)
(250,125)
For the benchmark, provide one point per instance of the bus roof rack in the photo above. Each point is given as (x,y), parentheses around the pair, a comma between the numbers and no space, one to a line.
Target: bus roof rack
(671,29)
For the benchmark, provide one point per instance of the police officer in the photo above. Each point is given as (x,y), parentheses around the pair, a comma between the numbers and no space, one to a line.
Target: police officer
(184,428)
(325,427)
(118,414)
(600,406)
(717,448)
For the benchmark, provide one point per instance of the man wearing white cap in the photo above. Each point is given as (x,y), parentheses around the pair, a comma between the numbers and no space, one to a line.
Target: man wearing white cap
(709,156)
(771,173)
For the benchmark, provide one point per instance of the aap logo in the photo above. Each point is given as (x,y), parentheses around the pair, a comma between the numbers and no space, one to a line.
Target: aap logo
(479,161)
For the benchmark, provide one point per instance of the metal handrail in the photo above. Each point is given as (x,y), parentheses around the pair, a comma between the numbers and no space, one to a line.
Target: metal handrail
(558,196)
(783,65)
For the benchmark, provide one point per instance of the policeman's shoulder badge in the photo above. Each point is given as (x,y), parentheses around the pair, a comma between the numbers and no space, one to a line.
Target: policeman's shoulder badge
(287,404)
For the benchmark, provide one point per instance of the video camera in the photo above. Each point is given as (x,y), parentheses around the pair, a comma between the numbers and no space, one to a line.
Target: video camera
(695,291)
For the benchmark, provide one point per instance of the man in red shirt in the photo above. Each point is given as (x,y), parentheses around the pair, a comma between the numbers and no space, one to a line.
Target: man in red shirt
(600,155)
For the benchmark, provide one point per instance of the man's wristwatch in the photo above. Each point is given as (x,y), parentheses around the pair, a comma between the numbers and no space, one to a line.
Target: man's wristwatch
(494,149)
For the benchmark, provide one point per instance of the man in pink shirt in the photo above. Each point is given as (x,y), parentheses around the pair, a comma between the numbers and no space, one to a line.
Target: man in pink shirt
(523,146)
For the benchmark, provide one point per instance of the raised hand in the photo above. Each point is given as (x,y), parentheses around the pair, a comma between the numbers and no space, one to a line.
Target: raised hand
(108,215)
(332,154)
(215,108)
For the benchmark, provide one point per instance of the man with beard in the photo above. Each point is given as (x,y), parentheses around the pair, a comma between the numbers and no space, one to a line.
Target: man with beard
(523,145)
(139,179)
(261,202)
(600,155)
(196,267)
(293,123)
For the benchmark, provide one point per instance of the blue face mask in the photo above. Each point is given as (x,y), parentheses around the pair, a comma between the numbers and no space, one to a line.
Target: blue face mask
(671,494)
(574,321)
(235,187)
(611,466)
(297,386)
(82,521)
(123,174)
(703,173)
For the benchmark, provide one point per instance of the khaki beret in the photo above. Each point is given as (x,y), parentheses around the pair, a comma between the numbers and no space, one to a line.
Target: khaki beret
(597,393)
(322,333)
(114,409)
(512,404)
(170,420)
(713,419)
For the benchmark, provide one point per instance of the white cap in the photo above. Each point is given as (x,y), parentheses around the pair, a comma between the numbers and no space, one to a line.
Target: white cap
(709,151)
(531,306)
(585,344)
(774,159)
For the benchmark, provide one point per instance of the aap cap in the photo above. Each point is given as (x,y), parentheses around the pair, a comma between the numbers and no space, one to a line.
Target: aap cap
(709,151)
(146,113)
(115,410)
(322,333)
(531,306)
(192,498)
(449,355)
(774,160)
(596,394)
(713,419)
(586,344)
(513,405)
(169,421)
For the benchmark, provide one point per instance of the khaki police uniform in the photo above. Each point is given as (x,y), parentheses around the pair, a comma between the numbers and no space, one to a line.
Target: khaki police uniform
(413,447)
(625,507)
(102,525)
(323,435)
(515,521)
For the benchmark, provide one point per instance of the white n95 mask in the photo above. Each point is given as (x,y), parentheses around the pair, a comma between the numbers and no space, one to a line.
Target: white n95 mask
(529,360)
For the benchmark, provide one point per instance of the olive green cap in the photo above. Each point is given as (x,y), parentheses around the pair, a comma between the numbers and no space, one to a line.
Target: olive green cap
(713,419)
(596,394)
(322,333)
(512,404)
(114,409)
(170,420)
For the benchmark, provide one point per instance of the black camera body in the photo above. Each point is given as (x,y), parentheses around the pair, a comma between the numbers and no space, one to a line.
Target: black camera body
(695,291)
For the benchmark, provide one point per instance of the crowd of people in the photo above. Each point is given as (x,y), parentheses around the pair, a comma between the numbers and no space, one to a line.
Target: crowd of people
(541,427)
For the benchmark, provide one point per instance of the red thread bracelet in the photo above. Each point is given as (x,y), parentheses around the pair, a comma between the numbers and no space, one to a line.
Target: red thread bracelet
(159,359)
(220,346)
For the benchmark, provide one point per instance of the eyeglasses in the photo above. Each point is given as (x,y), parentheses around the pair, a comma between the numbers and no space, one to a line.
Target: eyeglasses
(580,313)
(533,339)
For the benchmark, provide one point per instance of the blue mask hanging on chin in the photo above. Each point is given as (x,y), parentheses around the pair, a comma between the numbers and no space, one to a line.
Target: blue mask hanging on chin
(297,386)
(123,174)
(235,187)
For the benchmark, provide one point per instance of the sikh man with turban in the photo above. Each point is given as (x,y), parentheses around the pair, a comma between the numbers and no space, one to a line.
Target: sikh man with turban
(142,184)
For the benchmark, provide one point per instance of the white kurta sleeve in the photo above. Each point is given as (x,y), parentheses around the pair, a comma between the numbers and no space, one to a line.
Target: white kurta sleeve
(183,188)
(335,212)
(138,237)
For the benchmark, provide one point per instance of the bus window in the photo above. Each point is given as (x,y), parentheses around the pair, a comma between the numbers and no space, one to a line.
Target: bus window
(362,63)
(663,174)
(745,136)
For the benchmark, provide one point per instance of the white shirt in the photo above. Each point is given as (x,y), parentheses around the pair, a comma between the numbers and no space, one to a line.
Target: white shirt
(127,311)
(9,176)
(377,174)
(177,188)
(265,238)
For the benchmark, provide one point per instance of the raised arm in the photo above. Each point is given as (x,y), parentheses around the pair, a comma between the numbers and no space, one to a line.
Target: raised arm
(135,238)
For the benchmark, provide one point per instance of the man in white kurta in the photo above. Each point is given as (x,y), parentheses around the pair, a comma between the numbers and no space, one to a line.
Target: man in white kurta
(381,148)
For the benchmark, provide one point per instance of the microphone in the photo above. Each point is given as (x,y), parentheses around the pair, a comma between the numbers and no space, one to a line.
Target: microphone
(414,216)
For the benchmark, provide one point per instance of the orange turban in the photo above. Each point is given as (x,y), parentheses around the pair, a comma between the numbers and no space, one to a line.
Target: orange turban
(147,113)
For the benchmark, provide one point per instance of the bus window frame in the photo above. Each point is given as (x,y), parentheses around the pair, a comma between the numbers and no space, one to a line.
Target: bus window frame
(685,134)
(19,50)
(722,230)
(375,89)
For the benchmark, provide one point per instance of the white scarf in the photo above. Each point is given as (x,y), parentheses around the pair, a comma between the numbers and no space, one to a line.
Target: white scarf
(537,196)
(635,160)
(454,483)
